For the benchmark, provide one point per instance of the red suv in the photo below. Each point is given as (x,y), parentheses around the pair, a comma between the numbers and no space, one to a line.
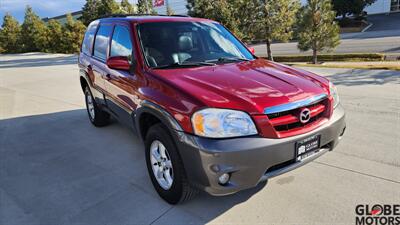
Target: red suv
(212,115)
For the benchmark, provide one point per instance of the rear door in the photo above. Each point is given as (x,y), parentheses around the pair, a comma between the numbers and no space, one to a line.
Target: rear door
(100,53)
(122,86)
(86,61)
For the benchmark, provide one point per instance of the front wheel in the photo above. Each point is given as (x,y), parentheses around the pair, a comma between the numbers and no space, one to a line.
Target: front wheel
(165,166)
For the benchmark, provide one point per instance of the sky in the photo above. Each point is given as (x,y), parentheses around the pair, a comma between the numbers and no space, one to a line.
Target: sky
(43,8)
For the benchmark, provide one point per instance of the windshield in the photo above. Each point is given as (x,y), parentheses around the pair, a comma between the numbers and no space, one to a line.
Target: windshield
(187,43)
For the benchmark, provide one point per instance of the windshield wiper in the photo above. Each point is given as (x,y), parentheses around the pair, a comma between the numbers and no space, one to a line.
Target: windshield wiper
(228,59)
(186,64)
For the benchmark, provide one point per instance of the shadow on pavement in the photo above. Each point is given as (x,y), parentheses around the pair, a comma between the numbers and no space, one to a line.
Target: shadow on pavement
(382,22)
(365,77)
(371,34)
(58,169)
(37,62)
(397,49)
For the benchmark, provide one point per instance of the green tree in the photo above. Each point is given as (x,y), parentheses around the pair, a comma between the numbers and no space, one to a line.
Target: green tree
(250,13)
(146,7)
(10,34)
(89,11)
(34,32)
(73,32)
(345,7)
(127,7)
(277,21)
(317,29)
(55,36)
(222,11)
(108,7)
(170,11)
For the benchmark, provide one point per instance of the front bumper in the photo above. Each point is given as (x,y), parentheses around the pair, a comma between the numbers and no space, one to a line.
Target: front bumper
(249,160)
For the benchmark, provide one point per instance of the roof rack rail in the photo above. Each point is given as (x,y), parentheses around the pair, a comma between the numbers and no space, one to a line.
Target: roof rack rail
(178,15)
(137,14)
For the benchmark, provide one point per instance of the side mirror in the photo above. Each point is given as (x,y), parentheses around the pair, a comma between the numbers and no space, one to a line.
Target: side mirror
(119,63)
(252,50)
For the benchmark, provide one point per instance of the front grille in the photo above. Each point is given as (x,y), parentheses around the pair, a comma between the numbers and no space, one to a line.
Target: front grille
(278,114)
(291,126)
(289,120)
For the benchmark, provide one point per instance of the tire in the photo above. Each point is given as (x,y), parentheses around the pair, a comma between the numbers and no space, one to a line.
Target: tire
(97,116)
(179,190)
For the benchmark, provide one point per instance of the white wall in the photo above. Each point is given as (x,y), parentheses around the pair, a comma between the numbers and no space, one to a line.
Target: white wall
(380,6)
(178,6)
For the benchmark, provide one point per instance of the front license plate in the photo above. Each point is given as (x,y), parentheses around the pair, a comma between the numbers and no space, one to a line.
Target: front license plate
(307,147)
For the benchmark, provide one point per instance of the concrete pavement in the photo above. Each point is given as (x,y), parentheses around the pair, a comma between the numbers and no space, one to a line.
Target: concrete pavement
(56,168)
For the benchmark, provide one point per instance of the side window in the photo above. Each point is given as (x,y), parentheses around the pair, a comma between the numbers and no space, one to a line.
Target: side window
(88,39)
(101,41)
(121,44)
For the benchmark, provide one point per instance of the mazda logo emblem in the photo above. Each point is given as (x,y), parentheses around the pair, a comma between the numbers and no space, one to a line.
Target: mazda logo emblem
(305,115)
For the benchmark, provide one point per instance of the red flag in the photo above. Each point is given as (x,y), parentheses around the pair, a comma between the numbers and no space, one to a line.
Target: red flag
(158,3)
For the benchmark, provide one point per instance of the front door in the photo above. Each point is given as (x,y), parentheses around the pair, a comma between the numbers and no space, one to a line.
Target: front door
(122,85)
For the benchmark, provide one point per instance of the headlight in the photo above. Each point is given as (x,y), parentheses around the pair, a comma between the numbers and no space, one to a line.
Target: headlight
(222,123)
(334,93)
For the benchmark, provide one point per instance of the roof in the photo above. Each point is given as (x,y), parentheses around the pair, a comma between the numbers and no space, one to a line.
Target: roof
(62,16)
(156,18)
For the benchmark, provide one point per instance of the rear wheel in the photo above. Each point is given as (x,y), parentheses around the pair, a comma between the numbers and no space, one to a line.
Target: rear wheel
(165,166)
(97,116)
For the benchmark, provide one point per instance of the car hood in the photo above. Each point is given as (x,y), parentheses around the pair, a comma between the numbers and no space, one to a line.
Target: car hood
(249,86)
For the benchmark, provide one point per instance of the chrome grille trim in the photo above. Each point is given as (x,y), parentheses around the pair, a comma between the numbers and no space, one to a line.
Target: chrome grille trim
(295,105)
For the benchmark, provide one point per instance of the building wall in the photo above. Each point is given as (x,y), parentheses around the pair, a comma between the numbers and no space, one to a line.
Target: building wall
(380,6)
(178,6)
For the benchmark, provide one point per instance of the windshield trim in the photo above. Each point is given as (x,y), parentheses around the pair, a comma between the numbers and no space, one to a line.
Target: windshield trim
(141,45)
(212,22)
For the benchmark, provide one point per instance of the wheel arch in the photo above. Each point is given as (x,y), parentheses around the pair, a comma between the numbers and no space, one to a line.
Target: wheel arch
(83,83)
(149,114)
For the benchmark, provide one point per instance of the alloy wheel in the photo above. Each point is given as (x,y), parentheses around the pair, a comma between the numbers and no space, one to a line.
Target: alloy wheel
(161,164)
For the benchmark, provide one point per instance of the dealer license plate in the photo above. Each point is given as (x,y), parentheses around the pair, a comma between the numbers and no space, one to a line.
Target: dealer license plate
(307,147)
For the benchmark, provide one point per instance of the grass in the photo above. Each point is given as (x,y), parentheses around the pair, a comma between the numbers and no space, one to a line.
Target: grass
(354,57)
(355,65)
(353,61)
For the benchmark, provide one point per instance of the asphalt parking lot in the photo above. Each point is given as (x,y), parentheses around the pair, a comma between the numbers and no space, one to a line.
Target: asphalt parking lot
(382,37)
(383,22)
(56,168)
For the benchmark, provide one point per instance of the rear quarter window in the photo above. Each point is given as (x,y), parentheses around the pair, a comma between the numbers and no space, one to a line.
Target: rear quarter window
(88,39)
(101,41)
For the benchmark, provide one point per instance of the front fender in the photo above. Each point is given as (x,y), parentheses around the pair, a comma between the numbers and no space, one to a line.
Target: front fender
(157,111)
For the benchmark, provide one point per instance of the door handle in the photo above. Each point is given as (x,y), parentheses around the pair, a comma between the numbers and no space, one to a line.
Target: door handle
(107,77)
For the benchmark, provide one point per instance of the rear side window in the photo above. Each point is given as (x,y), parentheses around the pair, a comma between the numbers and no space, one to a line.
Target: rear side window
(101,41)
(88,39)
(121,44)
